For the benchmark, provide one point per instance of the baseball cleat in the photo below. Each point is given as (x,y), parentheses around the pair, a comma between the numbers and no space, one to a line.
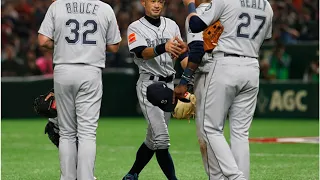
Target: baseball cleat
(130,177)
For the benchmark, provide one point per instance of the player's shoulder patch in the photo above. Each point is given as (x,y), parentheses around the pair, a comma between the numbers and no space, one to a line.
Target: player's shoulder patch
(132,38)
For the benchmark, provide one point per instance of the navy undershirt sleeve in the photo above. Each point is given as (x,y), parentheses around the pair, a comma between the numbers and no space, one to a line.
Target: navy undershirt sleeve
(196,24)
(138,51)
(196,52)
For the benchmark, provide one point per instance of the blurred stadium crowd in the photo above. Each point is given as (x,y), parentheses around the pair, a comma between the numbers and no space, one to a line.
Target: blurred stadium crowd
(295,21)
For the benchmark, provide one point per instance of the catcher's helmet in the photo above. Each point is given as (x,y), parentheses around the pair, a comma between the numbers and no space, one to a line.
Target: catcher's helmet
(158,94)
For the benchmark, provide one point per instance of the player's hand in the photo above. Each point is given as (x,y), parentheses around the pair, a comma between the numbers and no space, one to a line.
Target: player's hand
(182,45)
(49,95)
(173,47)
(179,92)
(187,2)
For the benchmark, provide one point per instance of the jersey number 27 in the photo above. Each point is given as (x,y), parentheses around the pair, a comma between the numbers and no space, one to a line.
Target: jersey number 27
(247,23)
(76,28)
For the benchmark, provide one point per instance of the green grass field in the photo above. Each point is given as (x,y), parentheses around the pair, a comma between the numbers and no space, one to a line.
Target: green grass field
(27,154)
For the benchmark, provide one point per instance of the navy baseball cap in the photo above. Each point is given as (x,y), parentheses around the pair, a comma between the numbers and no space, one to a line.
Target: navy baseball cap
(158,94)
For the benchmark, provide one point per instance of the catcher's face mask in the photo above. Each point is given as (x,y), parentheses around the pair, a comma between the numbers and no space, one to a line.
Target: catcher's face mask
(158,94)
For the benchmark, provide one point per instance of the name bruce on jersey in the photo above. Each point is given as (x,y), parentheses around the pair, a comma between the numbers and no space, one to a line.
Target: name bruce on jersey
(253,4)
(82,8)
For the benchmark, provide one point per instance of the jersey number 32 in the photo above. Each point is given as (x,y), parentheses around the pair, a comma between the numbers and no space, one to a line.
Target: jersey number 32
(75,27)
(246,16)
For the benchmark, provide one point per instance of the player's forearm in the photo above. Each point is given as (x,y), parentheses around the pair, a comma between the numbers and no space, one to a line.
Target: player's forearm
(113,48)
(150,52)
(195,57)
(45,42)
(193,66)
(184,63)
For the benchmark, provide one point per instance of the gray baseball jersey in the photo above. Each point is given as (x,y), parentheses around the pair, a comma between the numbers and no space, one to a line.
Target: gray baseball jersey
(231,87)
(142,33)
(80,29)
(247,23)
(204,66)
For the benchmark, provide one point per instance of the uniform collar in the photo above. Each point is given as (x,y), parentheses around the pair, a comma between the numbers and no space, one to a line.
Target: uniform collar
(155,22)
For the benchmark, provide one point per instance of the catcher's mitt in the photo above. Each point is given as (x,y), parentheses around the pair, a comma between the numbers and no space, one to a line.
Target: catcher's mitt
(45,105)
(211,36)
(185,108)
(53,133)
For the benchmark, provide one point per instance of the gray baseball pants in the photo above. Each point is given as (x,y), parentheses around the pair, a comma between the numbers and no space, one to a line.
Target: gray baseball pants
(157,136)
(231,88)
(78,93)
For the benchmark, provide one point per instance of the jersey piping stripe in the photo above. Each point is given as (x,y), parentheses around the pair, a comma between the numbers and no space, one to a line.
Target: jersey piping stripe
(165,60)
(145,106)
(204,112)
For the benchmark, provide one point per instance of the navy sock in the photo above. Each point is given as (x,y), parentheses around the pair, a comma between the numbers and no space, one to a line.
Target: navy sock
(143,156)
(166,163)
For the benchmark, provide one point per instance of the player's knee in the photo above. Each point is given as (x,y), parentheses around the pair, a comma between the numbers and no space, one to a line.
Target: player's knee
(212,130)
(86,134)
(149,144)
(68,134)
(89,136)
(162,142)
(157,145)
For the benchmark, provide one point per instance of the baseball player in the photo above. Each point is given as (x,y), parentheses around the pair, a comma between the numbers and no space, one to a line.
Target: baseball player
(232,84)
(79,32)
(155,43)
(195,43)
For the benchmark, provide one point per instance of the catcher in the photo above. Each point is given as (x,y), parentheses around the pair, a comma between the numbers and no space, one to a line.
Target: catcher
(200,48)
(45,106)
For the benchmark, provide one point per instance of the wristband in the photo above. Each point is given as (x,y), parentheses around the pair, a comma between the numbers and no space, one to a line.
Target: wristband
(186,76)
(191,8)
(159,49)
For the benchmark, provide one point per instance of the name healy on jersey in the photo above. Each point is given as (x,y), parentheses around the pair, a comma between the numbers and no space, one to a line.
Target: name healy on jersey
(150,43)
(82,8)
(254,4)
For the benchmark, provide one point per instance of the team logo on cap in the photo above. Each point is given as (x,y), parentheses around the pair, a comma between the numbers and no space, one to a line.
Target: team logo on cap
(164,101)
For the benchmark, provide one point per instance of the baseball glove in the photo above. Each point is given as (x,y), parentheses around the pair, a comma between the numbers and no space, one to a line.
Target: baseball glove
(211,36)
(45,105)
(185,108)
(53,133)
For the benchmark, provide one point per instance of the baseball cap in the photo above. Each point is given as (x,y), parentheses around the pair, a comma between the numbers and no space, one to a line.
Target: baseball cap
(158,94)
